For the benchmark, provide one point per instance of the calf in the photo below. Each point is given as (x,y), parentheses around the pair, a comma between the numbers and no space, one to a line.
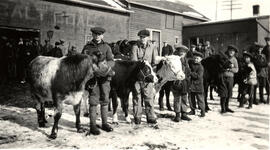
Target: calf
(126,74)
(59,80)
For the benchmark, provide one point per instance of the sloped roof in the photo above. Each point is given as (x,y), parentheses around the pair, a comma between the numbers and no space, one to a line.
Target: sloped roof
(105,4)
(171,6)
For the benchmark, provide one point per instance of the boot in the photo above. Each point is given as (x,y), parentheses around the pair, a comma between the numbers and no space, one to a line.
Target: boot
(177,117)
(222,104)
(160,101)
(227,109)
(202,113)
(93,115)
(137,120)
(185,117)
(261,95)
(105,126)
(192,112)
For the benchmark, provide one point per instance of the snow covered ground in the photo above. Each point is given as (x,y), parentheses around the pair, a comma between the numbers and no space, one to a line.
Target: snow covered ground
(246,129)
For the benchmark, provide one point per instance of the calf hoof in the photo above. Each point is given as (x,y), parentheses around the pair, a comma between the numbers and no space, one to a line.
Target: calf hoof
(115,119)
(53,136)
(106,127)
(169,108)
(93,130)
(80,130)
(161,109)
(128,120)
(152,121)
(176,119)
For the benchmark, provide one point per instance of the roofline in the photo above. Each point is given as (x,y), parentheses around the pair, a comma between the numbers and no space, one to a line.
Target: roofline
(226,21)
(167,10)
(99,6)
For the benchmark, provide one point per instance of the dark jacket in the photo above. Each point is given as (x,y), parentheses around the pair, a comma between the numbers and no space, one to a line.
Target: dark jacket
(266,51)
(56,52)
(196,78)
(103,47)
(260,65)
(167,50)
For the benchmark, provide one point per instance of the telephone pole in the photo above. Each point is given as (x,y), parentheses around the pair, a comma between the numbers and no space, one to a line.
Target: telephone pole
(231,5)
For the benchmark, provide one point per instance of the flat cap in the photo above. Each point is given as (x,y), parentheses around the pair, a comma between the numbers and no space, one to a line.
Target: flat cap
(232,47)
(247,54)
(181,48)
(98,30)
(192,45)
(198,54)
(144,33)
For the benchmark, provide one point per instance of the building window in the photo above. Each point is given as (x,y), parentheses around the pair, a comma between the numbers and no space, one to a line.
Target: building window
(170,21)
(256,10)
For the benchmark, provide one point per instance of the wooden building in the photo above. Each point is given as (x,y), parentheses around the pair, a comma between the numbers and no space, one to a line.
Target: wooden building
(164,19)
(241,32)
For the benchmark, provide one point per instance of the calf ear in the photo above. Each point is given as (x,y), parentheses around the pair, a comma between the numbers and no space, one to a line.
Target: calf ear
(158,59)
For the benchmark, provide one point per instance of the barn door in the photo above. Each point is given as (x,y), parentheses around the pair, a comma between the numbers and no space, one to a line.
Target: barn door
(155,35)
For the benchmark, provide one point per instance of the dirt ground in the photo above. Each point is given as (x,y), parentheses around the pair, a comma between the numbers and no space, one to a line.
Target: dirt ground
(243,130)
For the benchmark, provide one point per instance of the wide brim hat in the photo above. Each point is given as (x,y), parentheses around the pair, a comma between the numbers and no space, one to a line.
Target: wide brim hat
(144,33)
(232,47)
(247,54)
(98,30)
(198,54)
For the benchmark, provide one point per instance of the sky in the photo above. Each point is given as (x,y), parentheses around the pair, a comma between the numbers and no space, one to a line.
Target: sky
(216,9)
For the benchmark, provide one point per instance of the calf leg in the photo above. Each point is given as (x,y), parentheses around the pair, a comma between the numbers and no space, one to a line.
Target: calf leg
(77,111)
(40,114)
(115,105)
(167,93)
(211,92)
(57,116)
(205,97)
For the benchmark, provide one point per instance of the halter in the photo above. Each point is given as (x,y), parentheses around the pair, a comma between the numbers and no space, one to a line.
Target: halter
(144,76)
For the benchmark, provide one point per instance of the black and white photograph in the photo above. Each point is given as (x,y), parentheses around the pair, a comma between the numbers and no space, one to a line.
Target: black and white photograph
(135,74)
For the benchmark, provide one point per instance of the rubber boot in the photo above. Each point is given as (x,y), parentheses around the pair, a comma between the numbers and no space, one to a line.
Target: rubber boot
(227,106)
(105,126)
(93,115)
(185,117)
(261,95)
(177,117)
(222,104)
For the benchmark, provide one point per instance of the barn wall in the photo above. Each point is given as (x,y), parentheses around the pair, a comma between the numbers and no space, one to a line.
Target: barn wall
(265,21)
(150,18)
(241,33)
(44,15)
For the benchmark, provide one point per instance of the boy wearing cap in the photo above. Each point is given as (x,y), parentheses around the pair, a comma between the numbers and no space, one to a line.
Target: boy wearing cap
(56,51)
(250,81)
(196,86)
(180,88)
(191,51)
(143,50)
(261,68)
(100,93)
(226,86)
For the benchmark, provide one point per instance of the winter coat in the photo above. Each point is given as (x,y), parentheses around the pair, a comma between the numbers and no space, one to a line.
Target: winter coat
(196,78)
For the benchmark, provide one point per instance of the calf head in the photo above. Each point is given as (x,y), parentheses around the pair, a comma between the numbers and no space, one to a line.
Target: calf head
(169,68)
(146,72)
(97,56)
(224,62)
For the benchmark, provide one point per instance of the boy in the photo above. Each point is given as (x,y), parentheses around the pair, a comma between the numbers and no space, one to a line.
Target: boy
(180,88)
(250,81)
(196,87)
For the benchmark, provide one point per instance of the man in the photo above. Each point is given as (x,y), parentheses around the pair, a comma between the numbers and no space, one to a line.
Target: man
(180,88)
(166,88)
(143,50)
(56,51)
(226,86)
(100,93)
(46,49)
(166,49)
(192,50)
(199,48)
(266,52)
(260,63)
(208,49)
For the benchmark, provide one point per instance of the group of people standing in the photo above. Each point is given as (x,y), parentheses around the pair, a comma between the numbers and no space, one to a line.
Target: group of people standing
(17,54)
